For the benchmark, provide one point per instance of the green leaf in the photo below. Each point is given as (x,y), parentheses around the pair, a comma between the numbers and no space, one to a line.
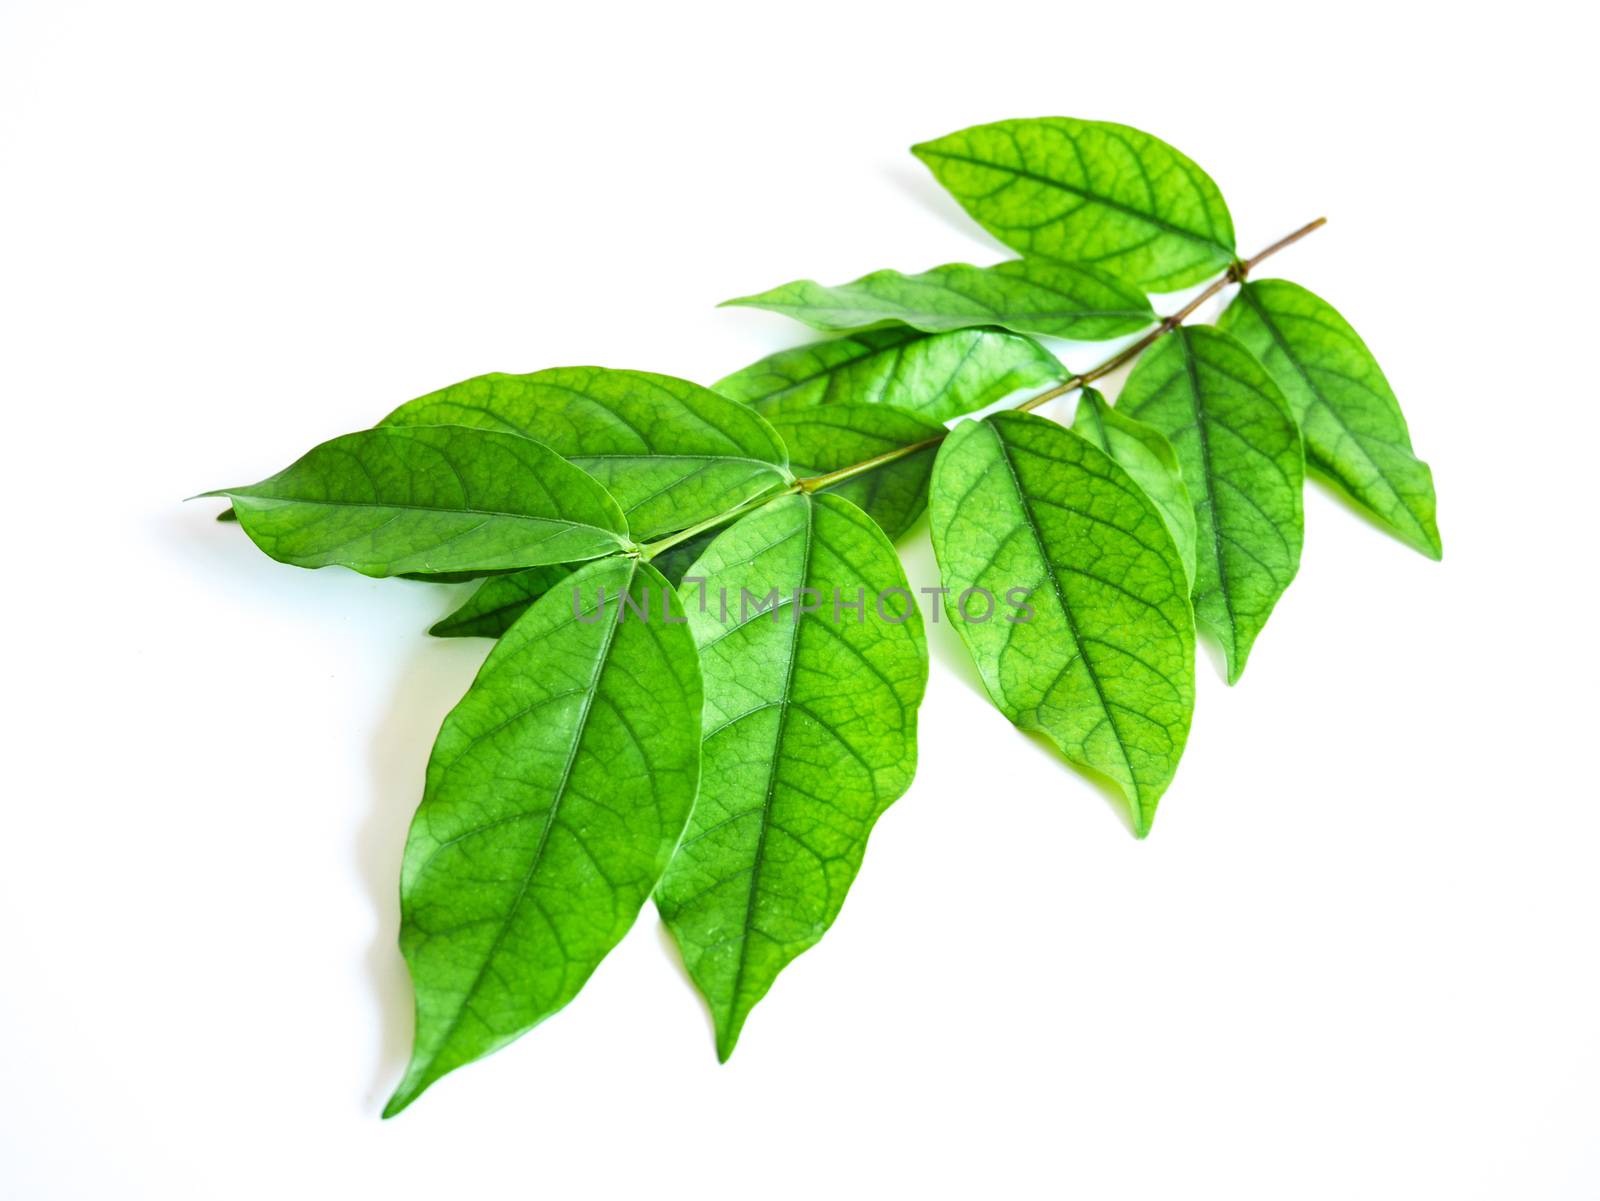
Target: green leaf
(1354,432)
(1089,192)
(671,452)
(1241,460)
(1028,296)
(556,792)
(429,499)
(1149,459)
(939,376)
(832,437)
(810,733)
(499,601)
(1105,666)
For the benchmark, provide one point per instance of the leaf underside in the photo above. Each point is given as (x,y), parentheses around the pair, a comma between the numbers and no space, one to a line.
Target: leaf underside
(1354,432)
(1105,667)
(1149,460)
(429,499)
(1240,454)
(672,453)
(1027,296)
(831,437)
(938,376)
(555,794)
(810,733)
(1089,192)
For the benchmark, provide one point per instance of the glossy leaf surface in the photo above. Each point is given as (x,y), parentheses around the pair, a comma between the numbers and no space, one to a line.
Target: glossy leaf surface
(1027,296)
(939,376)
(1089,192)
(1105,666)
(672,453)
(556,792)
(429,500)
(810,733)
(1354,432)
(1242,463)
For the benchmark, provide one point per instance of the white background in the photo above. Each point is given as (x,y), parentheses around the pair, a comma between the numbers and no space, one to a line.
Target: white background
(1357,957)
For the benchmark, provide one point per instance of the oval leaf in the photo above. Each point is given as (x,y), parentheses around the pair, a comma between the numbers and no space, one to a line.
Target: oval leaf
(428,500)
(1104,667)
(1149,459)
(1354,432)
(810,733)
(1028,296)
(1089,192)
(939,376)
(832,437)
(1242,463)
(556,792)
(672,453)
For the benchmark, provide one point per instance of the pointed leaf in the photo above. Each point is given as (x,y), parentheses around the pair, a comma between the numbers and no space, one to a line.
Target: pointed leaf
(1241,460)
(1354,432)
(832,437)
(671,452)
(429,499)
(556,792)
(1089,192)
(499,601)
(1029,296)
(1104,666)
(939,376)
(810,733)
(1149,459)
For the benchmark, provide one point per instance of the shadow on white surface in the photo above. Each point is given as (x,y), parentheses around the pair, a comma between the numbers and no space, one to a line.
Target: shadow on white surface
(435,674)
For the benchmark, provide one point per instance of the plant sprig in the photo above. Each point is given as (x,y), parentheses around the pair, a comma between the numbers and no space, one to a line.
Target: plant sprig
(709,661)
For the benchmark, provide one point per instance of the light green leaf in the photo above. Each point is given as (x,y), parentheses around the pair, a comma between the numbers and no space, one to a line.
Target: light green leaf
(1352,425)
(1104,664)
(1242,463)
(556,792)
(672,453)
(1089,192)
(939,376)
(1029,296)
(810,733)
(429,499)
(832,437)
(498,602)
(1149,459)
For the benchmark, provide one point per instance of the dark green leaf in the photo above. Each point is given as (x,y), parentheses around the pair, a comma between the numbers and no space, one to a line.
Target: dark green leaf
(810,733)
(671,452)
(1348,414)
(1242,463)
(939,376)
(556,792)
(832,437)
(1089,192)
(429,499)
(1149,459)
(499,601)
(1029,296)
(1105,666)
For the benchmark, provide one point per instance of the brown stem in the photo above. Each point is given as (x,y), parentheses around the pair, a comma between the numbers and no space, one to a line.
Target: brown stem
(1235,274)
